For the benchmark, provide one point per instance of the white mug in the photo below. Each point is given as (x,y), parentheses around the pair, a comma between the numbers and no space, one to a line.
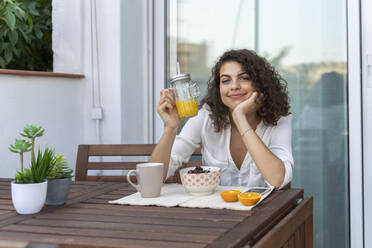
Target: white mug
(149,178)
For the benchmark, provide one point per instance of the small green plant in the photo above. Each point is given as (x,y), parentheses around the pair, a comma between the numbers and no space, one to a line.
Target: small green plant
(40,168)
(59,168)
(23,176)
(20,146)
(32,132)
(44,165)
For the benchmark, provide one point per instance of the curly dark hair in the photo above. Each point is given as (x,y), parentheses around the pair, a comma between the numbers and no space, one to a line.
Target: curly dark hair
(265,79)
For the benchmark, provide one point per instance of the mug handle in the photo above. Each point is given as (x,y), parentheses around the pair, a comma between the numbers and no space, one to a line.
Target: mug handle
(129,181)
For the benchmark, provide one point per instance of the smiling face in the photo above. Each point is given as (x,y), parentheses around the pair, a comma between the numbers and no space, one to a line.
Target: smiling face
(235,84)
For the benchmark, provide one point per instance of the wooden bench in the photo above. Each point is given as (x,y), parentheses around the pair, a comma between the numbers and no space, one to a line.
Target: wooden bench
(120,150)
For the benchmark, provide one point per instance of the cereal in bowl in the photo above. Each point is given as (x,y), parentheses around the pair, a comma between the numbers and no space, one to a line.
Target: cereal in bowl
(200,180)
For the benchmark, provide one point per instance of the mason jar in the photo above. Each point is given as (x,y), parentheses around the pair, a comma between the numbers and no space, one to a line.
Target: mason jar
(186,93)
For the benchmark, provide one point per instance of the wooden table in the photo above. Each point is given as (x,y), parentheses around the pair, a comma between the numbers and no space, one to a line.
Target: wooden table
(87,220)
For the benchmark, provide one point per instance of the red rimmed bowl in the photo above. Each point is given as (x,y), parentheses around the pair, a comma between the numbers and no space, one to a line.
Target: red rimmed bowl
(201,183)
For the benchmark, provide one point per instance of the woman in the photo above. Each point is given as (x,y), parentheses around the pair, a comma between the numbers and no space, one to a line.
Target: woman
(244,126)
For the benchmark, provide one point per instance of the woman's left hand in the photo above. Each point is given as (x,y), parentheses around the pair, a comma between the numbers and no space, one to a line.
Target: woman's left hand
(249,106)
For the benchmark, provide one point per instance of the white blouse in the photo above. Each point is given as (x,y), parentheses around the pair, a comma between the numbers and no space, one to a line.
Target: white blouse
(199,130)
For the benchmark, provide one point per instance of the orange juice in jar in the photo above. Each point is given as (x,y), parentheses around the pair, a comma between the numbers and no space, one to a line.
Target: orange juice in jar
(185,92)
(187,108)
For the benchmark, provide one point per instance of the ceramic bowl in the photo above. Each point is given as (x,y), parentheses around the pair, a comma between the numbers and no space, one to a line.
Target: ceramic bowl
(201,183)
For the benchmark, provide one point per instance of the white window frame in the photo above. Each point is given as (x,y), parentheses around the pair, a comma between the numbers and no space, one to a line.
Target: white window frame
(159,65)
(366,91)
(355,126)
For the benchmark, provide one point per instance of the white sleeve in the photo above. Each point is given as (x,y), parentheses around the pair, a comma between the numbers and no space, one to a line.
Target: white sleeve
(281,146)
(186,142)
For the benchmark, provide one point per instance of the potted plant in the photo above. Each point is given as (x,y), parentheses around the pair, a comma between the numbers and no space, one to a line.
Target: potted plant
(29,187)
(59,181)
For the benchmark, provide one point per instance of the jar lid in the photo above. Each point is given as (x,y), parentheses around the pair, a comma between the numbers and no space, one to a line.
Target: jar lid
(179,77)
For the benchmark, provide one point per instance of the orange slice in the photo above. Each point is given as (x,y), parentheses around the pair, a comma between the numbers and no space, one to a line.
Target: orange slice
(249,198)
(230,195)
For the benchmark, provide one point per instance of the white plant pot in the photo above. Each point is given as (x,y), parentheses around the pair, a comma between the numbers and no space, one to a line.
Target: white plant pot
(29,198)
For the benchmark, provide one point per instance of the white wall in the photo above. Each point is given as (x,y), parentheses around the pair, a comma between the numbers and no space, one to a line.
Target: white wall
(86,39)
(112,58)
(105,73)
(53,103)
(68,42)
(112,43)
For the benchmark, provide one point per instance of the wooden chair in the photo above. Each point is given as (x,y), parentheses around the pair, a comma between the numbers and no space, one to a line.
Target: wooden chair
(120,150)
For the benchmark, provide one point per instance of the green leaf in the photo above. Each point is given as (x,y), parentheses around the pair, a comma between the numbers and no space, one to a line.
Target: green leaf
(8,55)
(32,131)
(2,12)
(16,51)
(38,32)
(13,37)
(10,19)
(32,8)
(13,150)
(30,22)
(6,45)
(42,164)
(2,30)
(20,146)
(20,13)
(25,36)
(2,62)
(23,177)
(60,168)
(5,32)
(33,47)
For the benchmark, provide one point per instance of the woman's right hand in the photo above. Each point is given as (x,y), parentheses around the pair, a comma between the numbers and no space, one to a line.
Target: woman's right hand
(166,108)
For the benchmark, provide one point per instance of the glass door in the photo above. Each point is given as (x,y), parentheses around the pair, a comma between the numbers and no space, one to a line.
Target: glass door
(307,42)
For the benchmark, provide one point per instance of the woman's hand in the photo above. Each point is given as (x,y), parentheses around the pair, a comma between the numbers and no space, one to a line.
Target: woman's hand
(166,109)
(249,106)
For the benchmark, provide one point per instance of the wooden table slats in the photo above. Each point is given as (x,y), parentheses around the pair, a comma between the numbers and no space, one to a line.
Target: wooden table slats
(123,226)
(88,220)
(112,233)
(85,241)
(136,219)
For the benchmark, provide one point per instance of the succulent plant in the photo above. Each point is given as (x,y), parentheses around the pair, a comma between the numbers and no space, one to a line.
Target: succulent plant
(20,146)
(32,132)
(39,169)
(46,163)
(60,168)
